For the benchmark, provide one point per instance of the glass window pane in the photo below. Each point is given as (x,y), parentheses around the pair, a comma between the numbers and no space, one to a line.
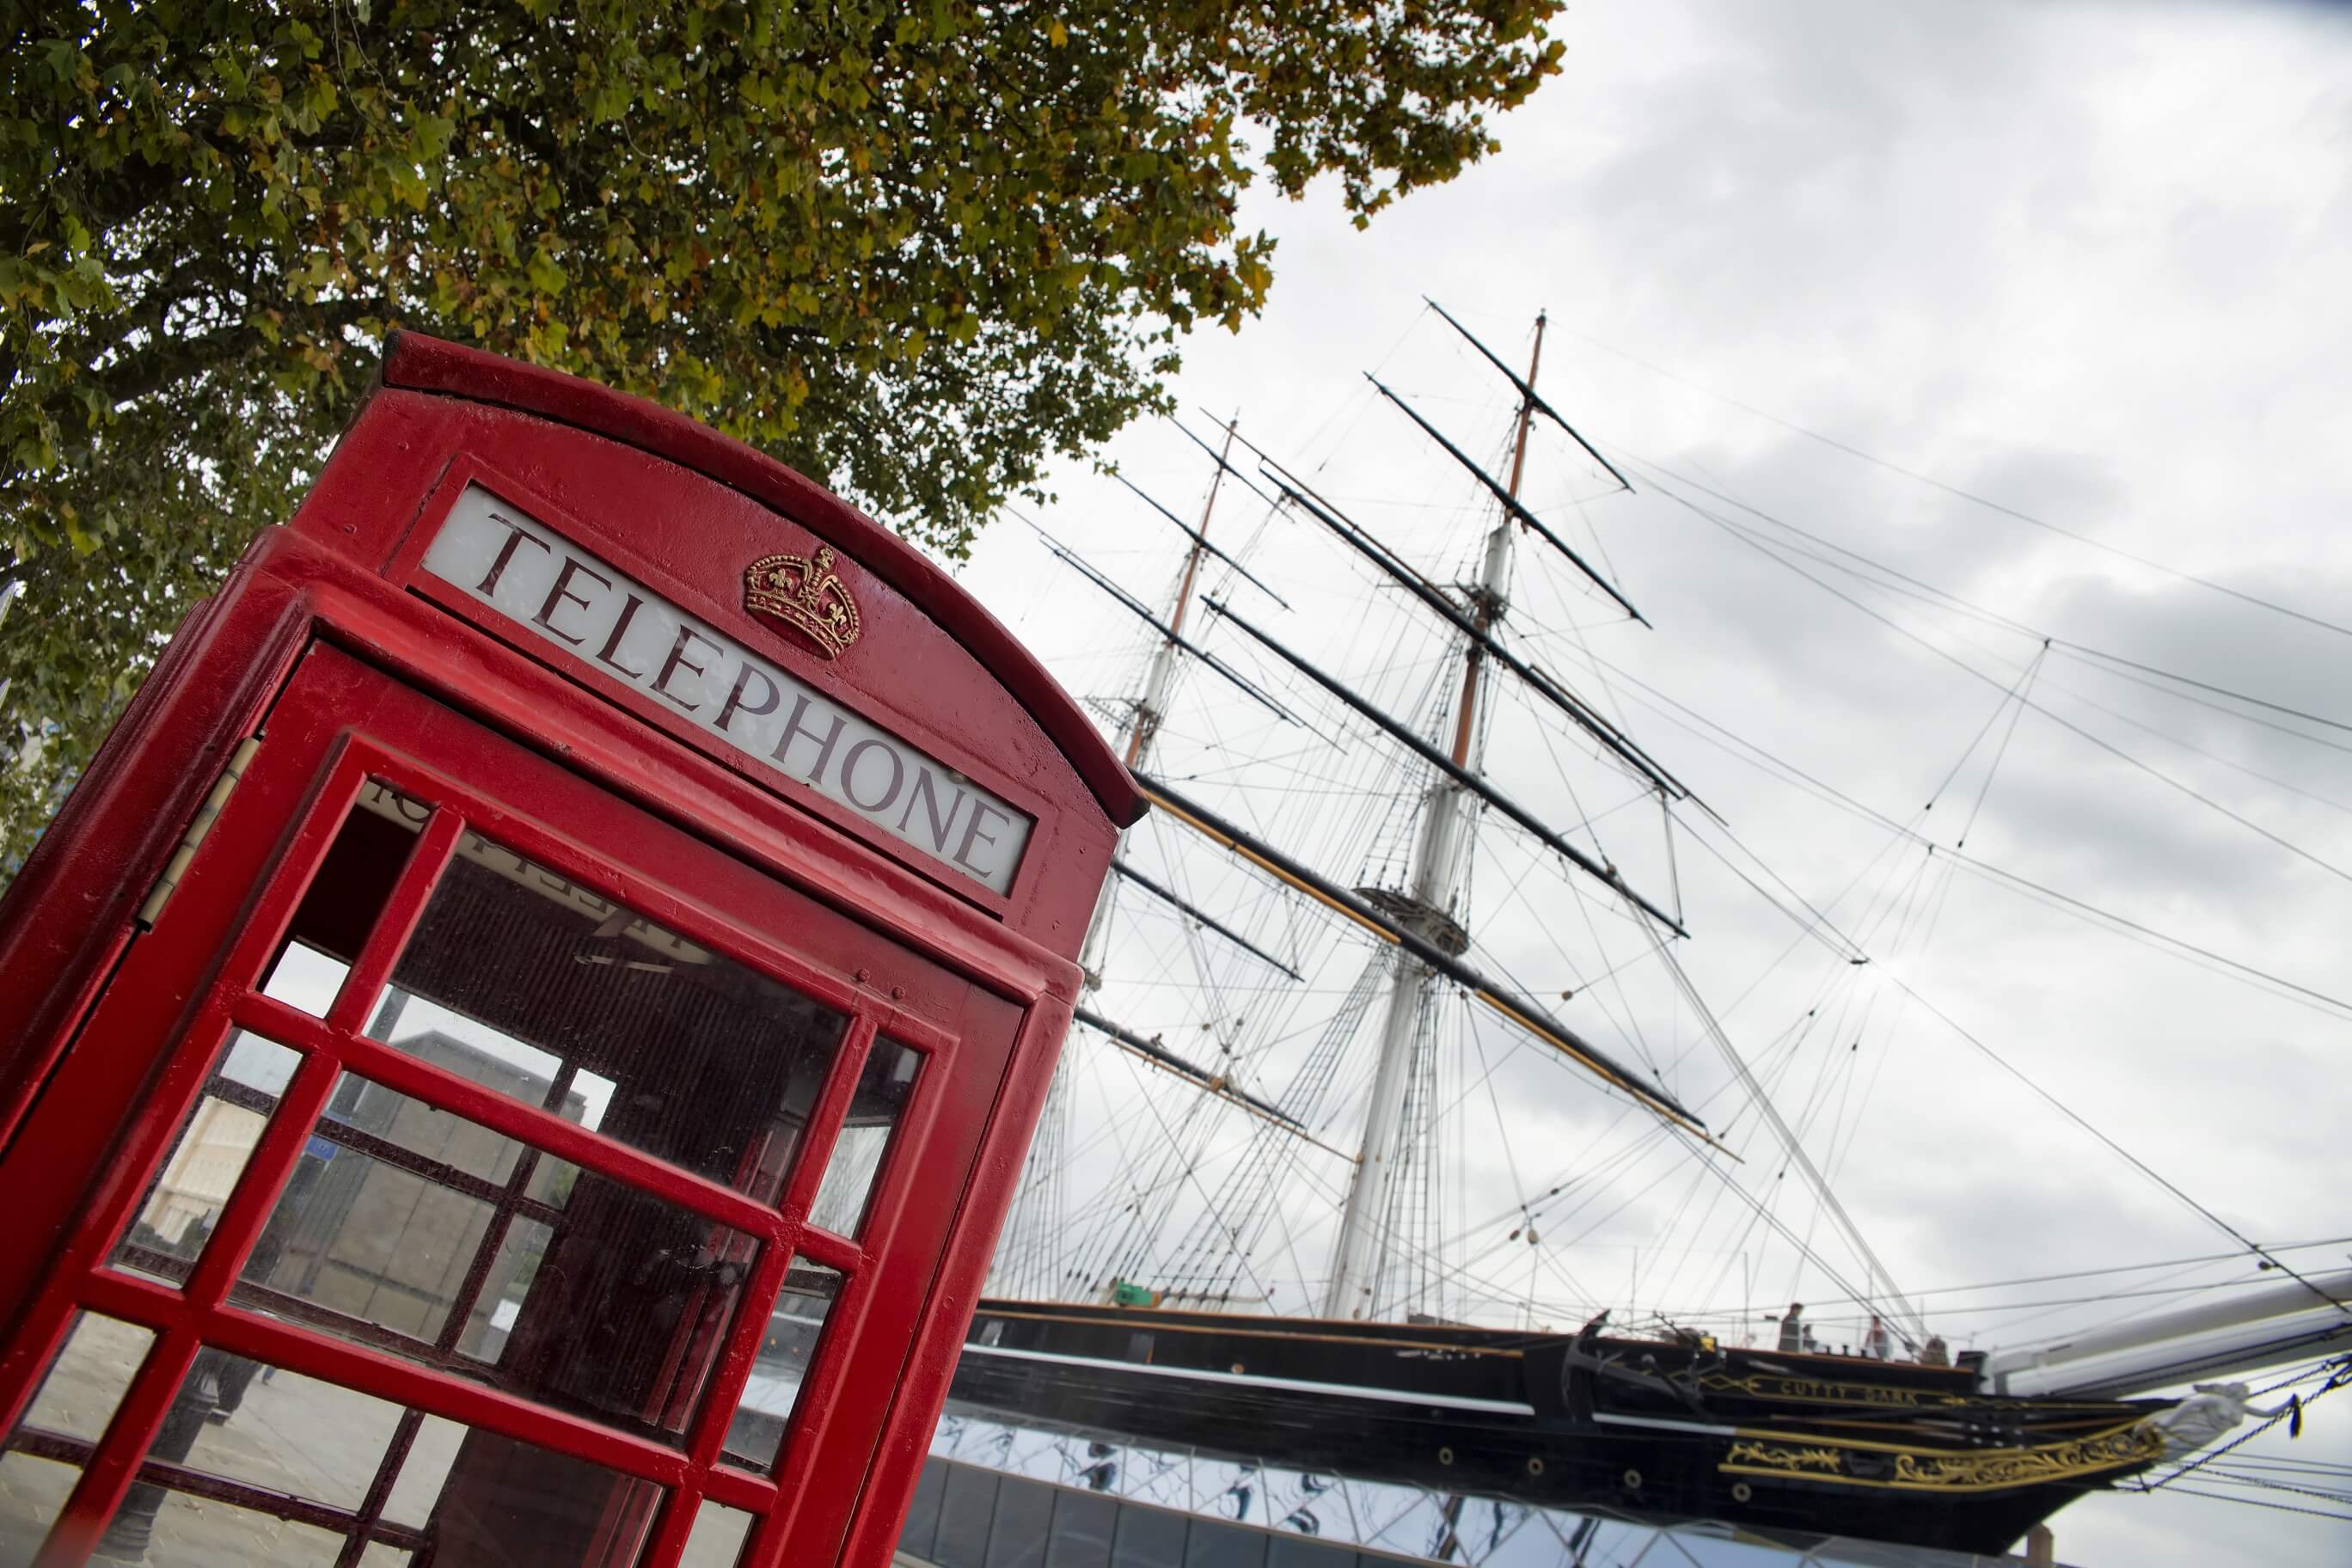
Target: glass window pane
(1025,1516)
(413,1230)
(66,1415)
(32,1492)
(717,1539)
(305,978)
(368,1238)
(967,1507)
(276,1429)
(157,1527)
(567,999)
(188,1191)
(794,1330)
(365,1115)
(884,1088)
(423,1471)
(393,1207)
(485,1498)
(297,1443)
(93,1371)
(348,891)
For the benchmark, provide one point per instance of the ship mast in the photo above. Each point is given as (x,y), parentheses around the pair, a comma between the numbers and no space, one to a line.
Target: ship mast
(1153,705)
(1438,858)
(1036,1226)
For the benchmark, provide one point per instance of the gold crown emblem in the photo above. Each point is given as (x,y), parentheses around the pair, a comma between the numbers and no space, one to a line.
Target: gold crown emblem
(802,595)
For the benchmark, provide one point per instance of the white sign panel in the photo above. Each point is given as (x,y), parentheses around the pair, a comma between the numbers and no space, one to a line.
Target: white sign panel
(500,555)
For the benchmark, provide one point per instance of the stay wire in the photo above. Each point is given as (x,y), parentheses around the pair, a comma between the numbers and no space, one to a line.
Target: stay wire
(2094,703)
(1790,772)
(2132,1159)
(2338,1377)
(2010,622)
(1971,497)
(2116,1149)
(2024,684)
(2063,1108)
(1982,730)
(2105,746)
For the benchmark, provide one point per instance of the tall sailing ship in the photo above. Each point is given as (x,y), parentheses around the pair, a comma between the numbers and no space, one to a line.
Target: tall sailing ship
(1252,1239)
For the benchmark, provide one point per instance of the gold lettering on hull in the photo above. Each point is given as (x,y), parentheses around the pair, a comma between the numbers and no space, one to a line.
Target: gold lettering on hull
(1820,1391)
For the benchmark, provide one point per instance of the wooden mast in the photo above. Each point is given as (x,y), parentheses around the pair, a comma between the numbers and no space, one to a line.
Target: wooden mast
(1358,1257)
(1155,691)
(1483,612)
(1045,1148)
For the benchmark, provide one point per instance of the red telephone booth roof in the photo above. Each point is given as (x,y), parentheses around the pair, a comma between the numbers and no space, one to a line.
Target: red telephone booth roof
(430,365)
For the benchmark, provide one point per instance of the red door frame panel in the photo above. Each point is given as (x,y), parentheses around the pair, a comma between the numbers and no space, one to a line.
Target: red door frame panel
(97,1077)
(336,730)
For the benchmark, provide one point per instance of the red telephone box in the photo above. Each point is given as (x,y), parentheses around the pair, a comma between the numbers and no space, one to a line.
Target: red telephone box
(518,1048)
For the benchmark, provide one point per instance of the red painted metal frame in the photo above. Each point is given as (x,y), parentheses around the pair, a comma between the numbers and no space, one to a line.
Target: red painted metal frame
(691,537)
(844,1403)
(108,1033)
(406,570)
(432,366)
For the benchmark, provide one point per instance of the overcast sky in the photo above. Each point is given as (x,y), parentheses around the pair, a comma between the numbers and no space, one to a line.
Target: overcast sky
(2088,261)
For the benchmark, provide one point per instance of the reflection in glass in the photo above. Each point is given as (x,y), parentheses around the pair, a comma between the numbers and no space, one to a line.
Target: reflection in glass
(794,1331)
(414,1230)
(717,1539)
(275,1430)
(194,1532)
(185,1196)
(248,1437)
(88,1379)
(32,1492)
(503,1500)
(301,1438)
(244,1443)
(884,1087)
(65,1418)
(560,995)
(390,1207)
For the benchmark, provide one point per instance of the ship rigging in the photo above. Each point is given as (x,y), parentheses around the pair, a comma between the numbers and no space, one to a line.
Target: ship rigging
(1117,1314)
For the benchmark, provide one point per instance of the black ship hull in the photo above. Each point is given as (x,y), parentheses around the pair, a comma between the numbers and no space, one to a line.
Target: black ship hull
(1790,1446)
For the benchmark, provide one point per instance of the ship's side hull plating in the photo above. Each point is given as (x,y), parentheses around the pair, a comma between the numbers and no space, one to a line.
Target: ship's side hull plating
(1800,1446)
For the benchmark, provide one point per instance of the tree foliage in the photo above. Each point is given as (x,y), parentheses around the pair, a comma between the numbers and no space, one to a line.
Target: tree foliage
(915,250)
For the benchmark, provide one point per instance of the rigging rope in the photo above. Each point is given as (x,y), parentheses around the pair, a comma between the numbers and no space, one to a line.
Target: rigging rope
(2338,1374)
(1945,654)
(1831,794)
(1970,496)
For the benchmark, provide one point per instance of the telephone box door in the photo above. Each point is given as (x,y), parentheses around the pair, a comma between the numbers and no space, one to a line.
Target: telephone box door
(506,1175)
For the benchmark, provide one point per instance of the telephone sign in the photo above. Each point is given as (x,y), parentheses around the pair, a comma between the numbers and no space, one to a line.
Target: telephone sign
(517,1048)
(515,564)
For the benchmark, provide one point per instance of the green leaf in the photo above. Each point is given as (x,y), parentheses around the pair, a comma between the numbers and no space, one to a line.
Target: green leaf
(544,274)
(914,251)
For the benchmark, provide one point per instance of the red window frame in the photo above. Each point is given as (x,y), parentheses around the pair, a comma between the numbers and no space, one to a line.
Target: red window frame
(183,989)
